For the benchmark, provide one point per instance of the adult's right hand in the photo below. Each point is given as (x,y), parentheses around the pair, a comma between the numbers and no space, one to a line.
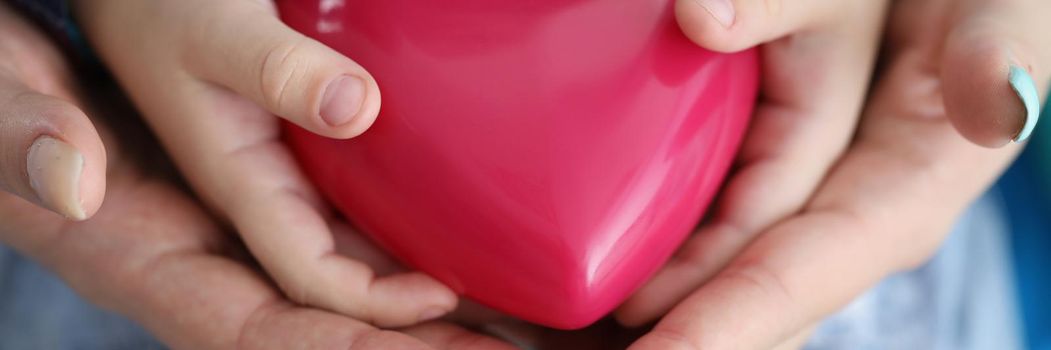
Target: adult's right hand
(151,252)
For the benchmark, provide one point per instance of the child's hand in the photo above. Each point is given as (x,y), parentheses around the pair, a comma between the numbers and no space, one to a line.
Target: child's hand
(888,202)
(50,153)
(817,61)
(210,76)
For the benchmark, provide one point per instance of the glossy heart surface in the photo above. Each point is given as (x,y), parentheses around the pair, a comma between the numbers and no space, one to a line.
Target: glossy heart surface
(542,157)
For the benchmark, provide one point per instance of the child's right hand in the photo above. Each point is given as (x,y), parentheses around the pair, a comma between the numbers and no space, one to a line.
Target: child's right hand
(210,76)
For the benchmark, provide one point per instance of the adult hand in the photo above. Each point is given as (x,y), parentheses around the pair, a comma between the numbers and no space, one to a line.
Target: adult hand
(50,154)
(212,78)
(151,252)
(889,201)
(817,59)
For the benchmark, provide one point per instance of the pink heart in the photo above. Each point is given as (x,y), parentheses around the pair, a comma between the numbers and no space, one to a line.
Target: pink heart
(541,157)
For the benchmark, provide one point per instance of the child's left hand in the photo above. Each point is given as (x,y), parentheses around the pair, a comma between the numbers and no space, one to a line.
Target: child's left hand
(209,77)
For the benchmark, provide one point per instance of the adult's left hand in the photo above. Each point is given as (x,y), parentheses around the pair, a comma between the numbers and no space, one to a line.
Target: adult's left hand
(889,201)
(151,252)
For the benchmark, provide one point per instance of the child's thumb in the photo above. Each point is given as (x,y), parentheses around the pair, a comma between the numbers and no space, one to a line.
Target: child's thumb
(736,25)
(252,52)
(50,153)
(995,64)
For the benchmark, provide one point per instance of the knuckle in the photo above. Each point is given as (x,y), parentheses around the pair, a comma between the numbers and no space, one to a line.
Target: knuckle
(757,277)
(323,291)
(280,68)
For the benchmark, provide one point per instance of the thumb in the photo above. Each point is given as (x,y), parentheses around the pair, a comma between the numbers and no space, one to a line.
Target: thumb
(50,153)
(289,74)
(994,68)
(735,25)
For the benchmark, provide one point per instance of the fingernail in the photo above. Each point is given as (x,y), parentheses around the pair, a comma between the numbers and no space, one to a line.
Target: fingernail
(431,313)
(342,100)
(54,169)
(1025,88)
(722,10)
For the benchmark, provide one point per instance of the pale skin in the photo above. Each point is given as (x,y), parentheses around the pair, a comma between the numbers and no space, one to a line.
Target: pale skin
(831,216)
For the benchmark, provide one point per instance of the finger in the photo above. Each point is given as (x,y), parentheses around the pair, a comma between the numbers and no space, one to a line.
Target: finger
(250,51)
(885,207)
(801,125)
(50,153)
(734,25)
(307,267)
(452,337)
(355,245)
(240,164)
(994,63)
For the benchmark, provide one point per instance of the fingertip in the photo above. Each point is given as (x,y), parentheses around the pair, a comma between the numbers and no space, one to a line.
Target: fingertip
(65,161)
(710,24)
(409,298)
(349,105)
(444,301)
(92,185)
(987,101)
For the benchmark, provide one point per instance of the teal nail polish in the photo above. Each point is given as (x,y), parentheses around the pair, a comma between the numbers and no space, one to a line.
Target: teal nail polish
(1025,87)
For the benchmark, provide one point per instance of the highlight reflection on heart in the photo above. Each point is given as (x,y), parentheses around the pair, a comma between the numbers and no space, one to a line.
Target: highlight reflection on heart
(542,157)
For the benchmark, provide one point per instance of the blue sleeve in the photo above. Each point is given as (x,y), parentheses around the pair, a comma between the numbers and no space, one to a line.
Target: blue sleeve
(55,17)
(52,13)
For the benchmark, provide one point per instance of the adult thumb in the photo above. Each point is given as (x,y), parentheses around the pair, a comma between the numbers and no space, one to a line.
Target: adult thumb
(50,153)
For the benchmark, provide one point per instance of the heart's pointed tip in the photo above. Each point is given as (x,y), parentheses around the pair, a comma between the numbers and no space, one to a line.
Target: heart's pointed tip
(574,324)
(572,307)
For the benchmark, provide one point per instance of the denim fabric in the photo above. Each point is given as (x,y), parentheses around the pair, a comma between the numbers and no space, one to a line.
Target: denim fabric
(52,13)
(1028,194)
(55,17)
(963,298)
(38,312)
